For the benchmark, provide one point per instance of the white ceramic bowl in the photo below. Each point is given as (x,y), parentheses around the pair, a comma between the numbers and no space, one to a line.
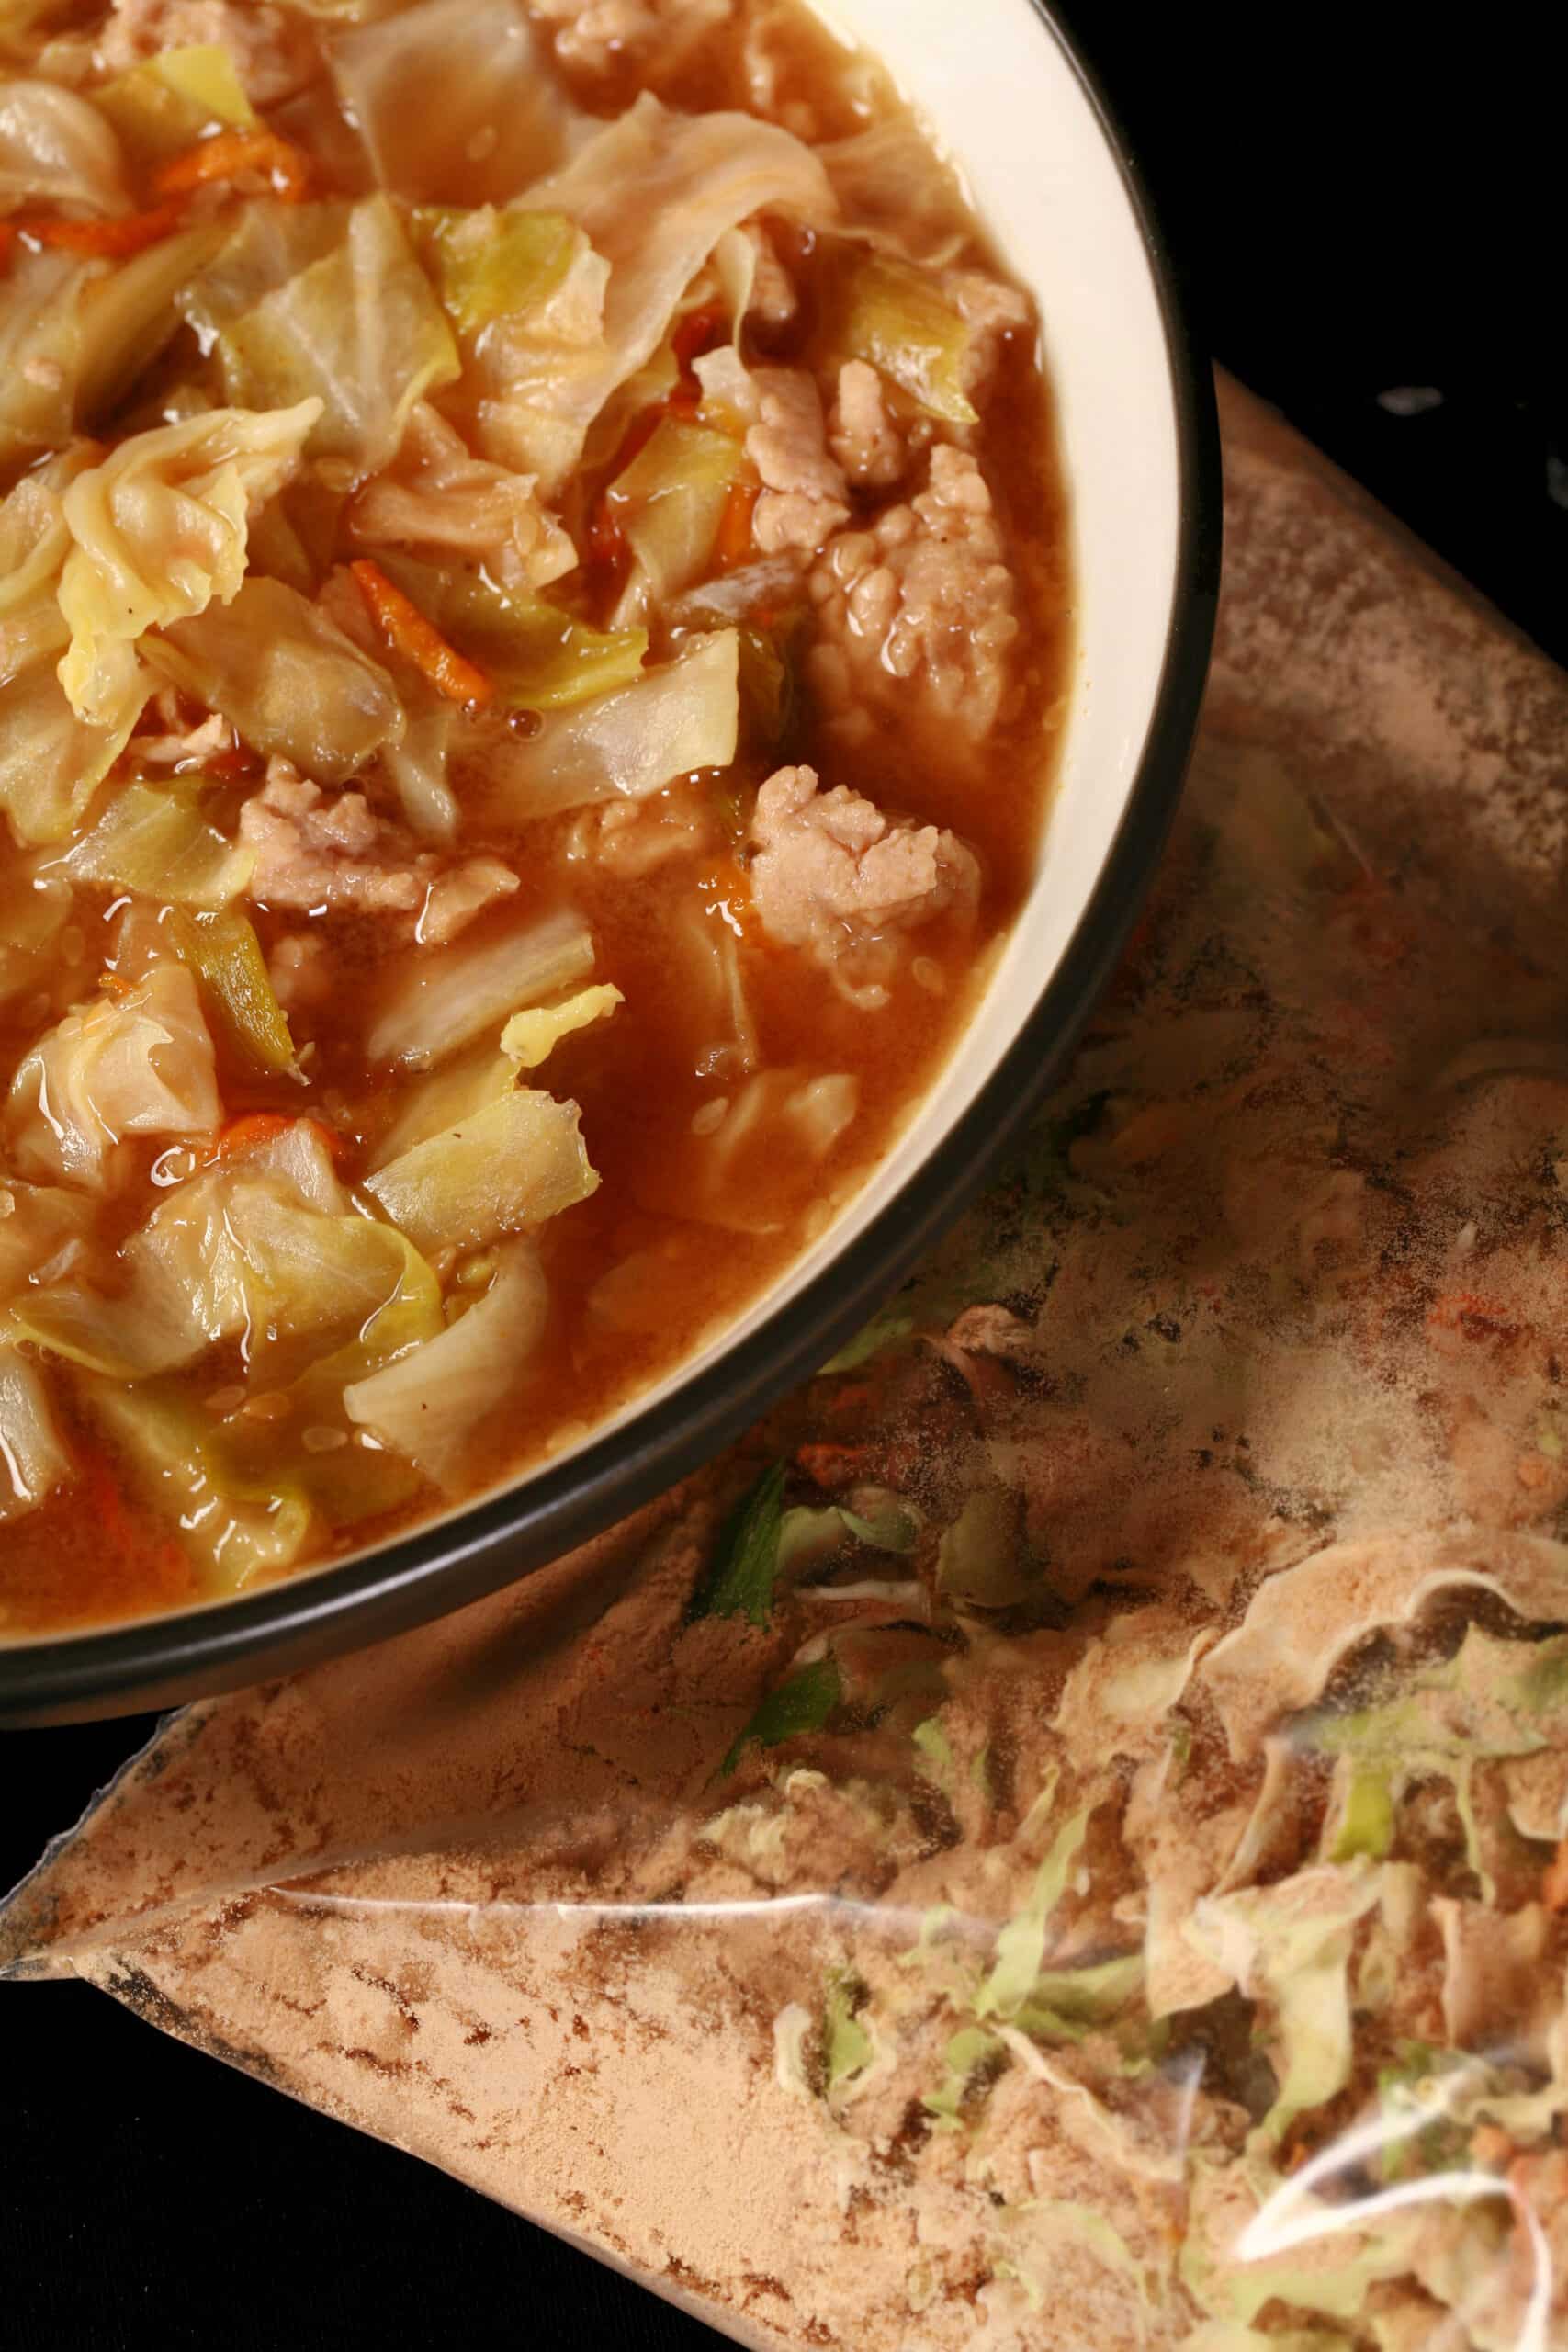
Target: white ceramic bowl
(1007,99)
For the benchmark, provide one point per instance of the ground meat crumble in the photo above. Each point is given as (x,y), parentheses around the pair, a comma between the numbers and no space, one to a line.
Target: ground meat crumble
(830,869)
(922,600)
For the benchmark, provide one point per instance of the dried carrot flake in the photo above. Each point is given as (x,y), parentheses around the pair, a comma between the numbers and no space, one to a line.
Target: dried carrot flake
(407,632)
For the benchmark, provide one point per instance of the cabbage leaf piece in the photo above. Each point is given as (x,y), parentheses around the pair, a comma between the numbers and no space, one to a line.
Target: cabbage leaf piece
(41,1221)
(272,242)
(430,1402)
(416,769)
(358,332)
(50,764)
(169,100)
(445,1000)
(158,530)
(1300,1623)
(126,318)
(153,838)
(1020,1944)
(683,715)
(669,503)
(34,910)
(439,497)
(266,1251)
(538,656)
(1290,1943)
(491,265)
(510,1167)
(452,102)
(34,1457)
(222,950)
(40,350)
(531,1036)
(653,192)
(1491,1700)
(285,677)
(140,1064)
(237,1530)
(890,314)
(429,1101)
(57,154)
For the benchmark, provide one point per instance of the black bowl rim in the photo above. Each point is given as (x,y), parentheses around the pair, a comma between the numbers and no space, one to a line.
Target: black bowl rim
(217,1647)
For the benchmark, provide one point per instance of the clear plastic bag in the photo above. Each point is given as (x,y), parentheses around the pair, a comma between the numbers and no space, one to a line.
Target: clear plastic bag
(1061,1837)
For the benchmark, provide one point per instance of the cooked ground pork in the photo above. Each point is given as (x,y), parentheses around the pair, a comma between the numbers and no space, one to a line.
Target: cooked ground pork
(179,745)
(319,851)
(992,311)
(830,869)
(922,600)
(862,431)
(595,35)
(299,970)
(455,896)
(803,500)
(273,51)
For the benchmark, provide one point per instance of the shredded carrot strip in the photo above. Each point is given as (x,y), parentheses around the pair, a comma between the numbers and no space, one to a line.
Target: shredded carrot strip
(734,543)
(407,632)
(114,240)
(229,154)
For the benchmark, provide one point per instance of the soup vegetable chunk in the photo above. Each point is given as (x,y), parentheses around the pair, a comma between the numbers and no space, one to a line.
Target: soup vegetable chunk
(531,611)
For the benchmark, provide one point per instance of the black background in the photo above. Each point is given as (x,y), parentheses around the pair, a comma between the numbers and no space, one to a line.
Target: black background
(1358,200)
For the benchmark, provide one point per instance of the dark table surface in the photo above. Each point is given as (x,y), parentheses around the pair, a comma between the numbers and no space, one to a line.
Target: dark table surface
(1358,197)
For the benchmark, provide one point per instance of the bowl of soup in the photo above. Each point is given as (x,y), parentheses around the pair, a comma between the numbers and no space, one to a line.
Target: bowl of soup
(601,607)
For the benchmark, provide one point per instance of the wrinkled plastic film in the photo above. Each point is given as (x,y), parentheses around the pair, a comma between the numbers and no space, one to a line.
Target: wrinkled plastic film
(1062,1833)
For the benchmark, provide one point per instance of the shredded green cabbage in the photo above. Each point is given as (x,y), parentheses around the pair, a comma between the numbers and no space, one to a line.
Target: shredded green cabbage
(669,503)
(164,104)
(889,313)
(491,265)
(451,996)
(848,2048)
(683,717)
(153,838)
(158,530)
(285,677)
(358,331)
(34,1457)
(972,2053)
(137,1063)
(530,1037)
(510,1166)
(450,100)
(430,1402)
(540,657)
(224,952)
(236,1529)
(1020,1944)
